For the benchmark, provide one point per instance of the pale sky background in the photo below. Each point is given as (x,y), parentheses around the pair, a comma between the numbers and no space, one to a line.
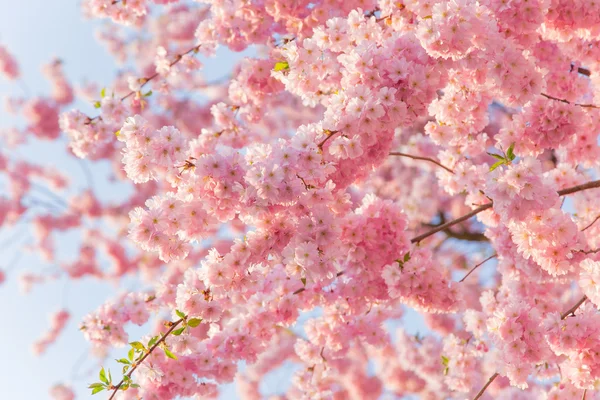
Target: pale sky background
(35,31)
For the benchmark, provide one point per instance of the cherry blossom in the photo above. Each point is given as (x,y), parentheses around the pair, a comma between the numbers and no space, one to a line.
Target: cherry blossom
(367,166)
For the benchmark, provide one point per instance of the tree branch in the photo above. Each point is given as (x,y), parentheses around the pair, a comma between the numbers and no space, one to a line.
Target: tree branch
(396,153)
(144,81)
(575,307)
(591,223)
(447,225)
(584,71)
(477,266)
(466,235)
(563,316)
(158,342)
(460,235)
(568,102)
(489,382)
(329,136)
(563,192)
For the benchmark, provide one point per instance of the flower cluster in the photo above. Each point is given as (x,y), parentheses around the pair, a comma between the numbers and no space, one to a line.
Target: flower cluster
(8,65)
(58,320)
(341,180)
(531,210)
(573,339)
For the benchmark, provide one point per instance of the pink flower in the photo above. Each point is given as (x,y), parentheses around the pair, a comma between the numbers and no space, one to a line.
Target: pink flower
(8,65)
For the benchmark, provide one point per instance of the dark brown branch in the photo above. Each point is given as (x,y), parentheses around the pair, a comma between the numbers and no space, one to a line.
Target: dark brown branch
(584,71)
(563,192)
(568,102)
(589,251)
(477,266)
(396,153)
(447,225)
(489,382)
(591,223)
(460,235)
(137,364)
(329,136)
(572,309)
(579,188)
(466,235)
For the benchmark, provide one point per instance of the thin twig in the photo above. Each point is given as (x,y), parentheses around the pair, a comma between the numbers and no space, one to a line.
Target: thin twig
(563,316)
(144,81)
(50,193)
(24,87)
(77,366)
(396,153)
(87,173)
(589,251)
(477,266)
(591,223)
(489,382)
(162,339)
(575,307)
(568,102)
(329,136)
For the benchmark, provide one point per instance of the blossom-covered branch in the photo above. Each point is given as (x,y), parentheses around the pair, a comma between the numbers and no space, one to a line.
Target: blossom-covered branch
(563,192)
(396,153)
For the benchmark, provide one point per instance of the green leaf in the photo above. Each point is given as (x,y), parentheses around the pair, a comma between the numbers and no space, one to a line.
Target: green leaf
(109,378)
(97,104)
(138,346)
(407,257)
(95,385)
(152,341)
(103,92)
(169,354)
(125,369)
(303,280)
(445,361)
(97,390)
(400,265)
(281,66)
(496,156)
(130,354)
(194,322)
(148,93)
(179,331)
(103,376)
(510,152)
(135,385)
(179,314)
(499,163)
(123,361)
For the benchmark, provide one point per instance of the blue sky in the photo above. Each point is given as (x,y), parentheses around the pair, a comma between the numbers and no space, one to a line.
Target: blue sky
(35,31)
